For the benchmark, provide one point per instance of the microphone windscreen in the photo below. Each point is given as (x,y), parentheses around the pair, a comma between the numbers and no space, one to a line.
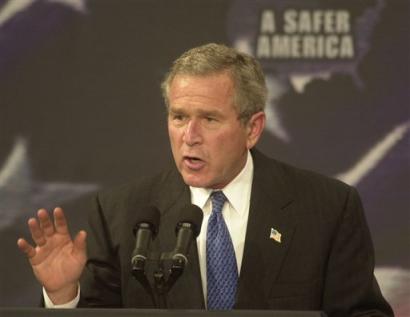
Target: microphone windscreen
(191,214)
(149,215)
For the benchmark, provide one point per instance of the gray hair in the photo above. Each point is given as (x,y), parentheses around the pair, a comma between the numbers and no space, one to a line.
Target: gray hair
(245,71)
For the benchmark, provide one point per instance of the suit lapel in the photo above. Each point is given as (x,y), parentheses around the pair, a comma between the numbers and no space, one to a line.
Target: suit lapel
(271,199)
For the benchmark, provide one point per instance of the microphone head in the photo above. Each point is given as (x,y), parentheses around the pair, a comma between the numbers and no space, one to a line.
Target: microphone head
(193,215)
(148,217)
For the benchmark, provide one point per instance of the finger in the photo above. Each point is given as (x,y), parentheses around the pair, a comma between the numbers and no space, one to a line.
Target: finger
(45,222)
(60,222)
(80,244)
(25,247)
(36,232)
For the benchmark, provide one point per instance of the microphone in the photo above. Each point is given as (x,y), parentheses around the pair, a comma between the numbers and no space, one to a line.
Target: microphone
(186,230)
(145,230)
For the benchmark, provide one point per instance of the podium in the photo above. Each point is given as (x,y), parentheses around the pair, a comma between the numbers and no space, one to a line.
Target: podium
(122,312)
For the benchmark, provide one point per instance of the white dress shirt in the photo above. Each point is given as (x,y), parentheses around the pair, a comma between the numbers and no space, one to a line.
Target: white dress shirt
(235,213)
(72,304)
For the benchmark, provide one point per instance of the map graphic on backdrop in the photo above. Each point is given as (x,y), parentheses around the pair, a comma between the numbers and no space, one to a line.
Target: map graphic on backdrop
(18,191)
(18,16)
(306,48)
(337,74)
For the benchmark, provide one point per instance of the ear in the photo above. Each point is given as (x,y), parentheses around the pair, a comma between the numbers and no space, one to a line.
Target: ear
(254,128)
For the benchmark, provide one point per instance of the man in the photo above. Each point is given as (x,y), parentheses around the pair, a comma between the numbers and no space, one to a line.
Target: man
(273,236)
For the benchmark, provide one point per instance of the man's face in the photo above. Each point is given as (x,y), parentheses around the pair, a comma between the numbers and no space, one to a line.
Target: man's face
(208,141)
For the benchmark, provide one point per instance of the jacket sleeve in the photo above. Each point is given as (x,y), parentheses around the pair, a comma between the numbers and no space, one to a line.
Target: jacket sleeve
(350,286)
(101,278)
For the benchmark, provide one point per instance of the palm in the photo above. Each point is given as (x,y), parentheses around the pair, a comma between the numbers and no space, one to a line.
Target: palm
(55,264)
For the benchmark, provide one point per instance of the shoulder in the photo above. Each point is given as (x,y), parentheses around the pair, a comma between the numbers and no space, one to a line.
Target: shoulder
(294,174)
(117,209)
(304,184)
(152,190)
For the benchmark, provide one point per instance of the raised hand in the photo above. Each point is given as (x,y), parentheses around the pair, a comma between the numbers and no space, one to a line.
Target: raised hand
(56,259)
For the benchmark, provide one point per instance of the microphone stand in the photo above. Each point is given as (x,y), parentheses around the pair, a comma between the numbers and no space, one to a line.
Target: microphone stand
(170,268)
(164,282)
(138,271)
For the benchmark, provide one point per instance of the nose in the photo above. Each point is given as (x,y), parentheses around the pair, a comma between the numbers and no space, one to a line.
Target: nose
(192,134)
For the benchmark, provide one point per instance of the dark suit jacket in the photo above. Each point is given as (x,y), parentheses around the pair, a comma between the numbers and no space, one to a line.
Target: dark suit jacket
(324,262)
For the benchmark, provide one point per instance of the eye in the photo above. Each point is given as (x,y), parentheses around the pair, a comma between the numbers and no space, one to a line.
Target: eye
(210,119)
(177,116)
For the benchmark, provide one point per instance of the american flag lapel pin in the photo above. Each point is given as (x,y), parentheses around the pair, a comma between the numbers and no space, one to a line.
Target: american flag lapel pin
(275,235)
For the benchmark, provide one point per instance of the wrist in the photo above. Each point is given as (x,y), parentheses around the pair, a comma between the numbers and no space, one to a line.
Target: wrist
(63,295)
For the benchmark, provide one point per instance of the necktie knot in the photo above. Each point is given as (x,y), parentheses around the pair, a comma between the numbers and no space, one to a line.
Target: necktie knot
(218,200)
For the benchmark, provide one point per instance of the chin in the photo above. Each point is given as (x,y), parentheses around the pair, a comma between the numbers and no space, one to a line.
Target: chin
(195,182)
(202,184)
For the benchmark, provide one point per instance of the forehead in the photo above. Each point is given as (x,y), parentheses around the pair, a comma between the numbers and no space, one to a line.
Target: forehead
(215,87)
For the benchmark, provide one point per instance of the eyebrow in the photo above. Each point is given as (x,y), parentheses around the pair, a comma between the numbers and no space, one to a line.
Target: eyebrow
(212,113)
(200,112)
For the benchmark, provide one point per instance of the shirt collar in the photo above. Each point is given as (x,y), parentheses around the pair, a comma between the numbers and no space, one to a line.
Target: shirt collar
(233,191)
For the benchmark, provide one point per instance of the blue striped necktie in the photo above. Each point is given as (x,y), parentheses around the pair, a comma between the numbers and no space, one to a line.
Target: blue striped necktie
(221,269)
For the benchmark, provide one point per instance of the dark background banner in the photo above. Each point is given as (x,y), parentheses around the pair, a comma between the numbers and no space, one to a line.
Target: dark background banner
(81,108)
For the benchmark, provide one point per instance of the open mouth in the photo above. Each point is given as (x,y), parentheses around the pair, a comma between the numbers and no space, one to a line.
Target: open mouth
(193,162)
(192,158)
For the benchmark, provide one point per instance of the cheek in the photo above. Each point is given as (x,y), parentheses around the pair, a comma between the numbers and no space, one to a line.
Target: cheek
(226,146)
(232,140)
(173,140)
(173,134)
